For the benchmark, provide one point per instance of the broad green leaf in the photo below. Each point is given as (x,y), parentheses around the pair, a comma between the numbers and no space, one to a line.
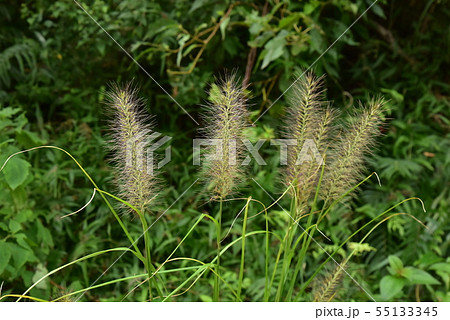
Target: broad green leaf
(390,286)
(20,197)
(5,255)
(24,215)
(44,234)
(19,254)
(378,11)
(309,8)
(274,48)
(205,298)
(396,263)
(41,271)
(419,276)
(197,4)
(288,21)
(445,277)
(406,272)
(8,112)
(24,241)
(442,266)
(14,226)
(16,172)
(28,139)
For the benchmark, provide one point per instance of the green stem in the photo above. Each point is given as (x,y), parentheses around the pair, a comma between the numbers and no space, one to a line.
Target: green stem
(148,264)
(287,251)
(157,271)
(213,261)
(71,263)
(133,242)
(275,268)
(307,239)
(267,286)
(219,236)
(148,260)
(122,279)
(137,251)
(300,260)
(241,271)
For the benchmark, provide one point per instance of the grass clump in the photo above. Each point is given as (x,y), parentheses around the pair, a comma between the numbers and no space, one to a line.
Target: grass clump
(317,177)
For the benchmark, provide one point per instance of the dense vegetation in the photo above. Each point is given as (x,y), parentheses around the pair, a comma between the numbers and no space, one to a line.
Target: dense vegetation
(55,66)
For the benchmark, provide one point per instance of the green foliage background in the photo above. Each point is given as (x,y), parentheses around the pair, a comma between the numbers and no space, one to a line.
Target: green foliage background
(55,63)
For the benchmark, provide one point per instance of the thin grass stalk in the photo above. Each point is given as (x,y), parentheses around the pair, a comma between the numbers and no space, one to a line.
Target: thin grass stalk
(125,230)
(206,266)
(71,263)
(146,260)
(325,210)
(241,271)
(219,236)
(212,263)
(277,260)
(307,238)
(324,213)
(130,135)
(275,269)
(203,269)
(149,266)
(120,280)
(199,271)
(287,251)
(267,287)
(158,271)
(280,250)
(21,296)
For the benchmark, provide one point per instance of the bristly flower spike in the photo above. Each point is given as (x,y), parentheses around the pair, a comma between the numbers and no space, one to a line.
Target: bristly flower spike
(309,122)
(227,118)
(348,155)
(129,138)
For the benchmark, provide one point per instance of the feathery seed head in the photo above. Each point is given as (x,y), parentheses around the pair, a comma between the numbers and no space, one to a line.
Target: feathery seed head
(348,155)
(309,119)
(329,285)
(129,139)
(227,117)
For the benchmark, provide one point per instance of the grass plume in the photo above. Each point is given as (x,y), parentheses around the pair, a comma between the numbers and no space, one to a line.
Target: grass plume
(348,155)
(329,285)
(309,119)
(227,118)
(130,135)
